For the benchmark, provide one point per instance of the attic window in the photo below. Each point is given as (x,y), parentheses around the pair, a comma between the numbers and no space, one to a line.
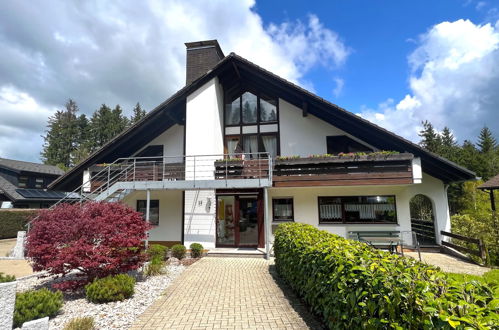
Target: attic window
(342,143)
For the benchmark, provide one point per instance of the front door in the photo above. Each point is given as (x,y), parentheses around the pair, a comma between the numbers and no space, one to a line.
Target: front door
(239,220)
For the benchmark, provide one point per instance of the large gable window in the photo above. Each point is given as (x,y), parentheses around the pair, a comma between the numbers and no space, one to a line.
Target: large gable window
(251,124)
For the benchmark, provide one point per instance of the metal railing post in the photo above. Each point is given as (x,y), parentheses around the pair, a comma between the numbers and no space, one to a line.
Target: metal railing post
(194,170)
(108,174)
(226,171)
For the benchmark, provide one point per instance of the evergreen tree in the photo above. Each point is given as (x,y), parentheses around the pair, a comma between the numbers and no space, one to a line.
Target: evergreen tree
(486,141)
(61,137)
(105,124)
(82,148)
(449,147)
(138,114)
(431,140)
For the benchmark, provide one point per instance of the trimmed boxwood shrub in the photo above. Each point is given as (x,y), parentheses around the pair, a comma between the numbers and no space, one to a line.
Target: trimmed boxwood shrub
(12,221)
(178,251)
(352,285)
(111,288)
(31,305)
(6,278)
(196,250)
(157,251)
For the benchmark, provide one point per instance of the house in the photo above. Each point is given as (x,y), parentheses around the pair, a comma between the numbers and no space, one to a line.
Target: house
(239,150)
(23,184)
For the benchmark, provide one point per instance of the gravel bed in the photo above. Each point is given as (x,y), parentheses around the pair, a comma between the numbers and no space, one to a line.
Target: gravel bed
(115,315)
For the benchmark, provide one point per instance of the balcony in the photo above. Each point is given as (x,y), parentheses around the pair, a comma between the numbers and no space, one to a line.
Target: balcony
(347,170)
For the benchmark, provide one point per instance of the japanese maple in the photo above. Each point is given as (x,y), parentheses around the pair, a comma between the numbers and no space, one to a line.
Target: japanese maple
(92,239)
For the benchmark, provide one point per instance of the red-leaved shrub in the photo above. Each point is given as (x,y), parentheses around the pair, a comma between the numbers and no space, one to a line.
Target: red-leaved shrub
(97,239)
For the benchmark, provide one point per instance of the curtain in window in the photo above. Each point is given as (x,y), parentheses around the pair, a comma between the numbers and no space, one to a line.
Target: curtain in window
(231,147)
(270,144)
(330,211)
(368,211)
(250,145)
(283,210)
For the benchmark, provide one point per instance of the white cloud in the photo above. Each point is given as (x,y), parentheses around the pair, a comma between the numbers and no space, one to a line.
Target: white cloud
(123,52)
(340,83)
(454,82)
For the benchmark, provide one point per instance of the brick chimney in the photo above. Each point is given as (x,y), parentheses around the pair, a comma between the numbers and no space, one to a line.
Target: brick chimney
(202,56)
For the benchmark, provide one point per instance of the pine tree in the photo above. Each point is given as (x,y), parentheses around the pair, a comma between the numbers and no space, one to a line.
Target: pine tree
(82,148)
(105,124)
(486,141)
(61,137)
(449,147)
(138,114)
(431,140)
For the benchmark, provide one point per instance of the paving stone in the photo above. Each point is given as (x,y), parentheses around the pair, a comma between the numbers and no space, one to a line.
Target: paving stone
(228,293)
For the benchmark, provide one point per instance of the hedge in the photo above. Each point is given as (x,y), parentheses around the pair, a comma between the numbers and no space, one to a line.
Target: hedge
(12,221)
(352,285)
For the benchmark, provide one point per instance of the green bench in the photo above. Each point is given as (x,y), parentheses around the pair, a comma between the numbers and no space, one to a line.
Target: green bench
(388,239)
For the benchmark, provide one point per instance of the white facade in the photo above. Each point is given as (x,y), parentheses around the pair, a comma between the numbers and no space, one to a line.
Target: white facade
(306,209)
(204,136)
(191,214)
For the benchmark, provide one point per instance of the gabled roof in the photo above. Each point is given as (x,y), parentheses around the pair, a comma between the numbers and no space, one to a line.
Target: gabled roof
(236,70)
(21,166)
(490,184)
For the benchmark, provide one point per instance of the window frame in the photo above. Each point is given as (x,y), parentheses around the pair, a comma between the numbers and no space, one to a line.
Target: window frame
(343,217)
(274,199)
(258,109)
(39,181)
(25,183)
(150,207)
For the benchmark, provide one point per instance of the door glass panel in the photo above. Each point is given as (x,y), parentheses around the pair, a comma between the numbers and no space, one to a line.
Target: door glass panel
(249,103)
(225,220)
(248,221)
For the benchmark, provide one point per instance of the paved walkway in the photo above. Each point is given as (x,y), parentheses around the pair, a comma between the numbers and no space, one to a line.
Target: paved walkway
(449,263)
(227,293)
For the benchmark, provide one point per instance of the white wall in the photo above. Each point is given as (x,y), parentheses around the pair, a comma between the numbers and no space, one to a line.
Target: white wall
(303,136)
(204,136)
(306,208)
(172,140)
(170,213)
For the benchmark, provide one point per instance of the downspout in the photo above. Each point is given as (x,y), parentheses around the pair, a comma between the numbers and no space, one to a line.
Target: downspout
(148,206)
(266,223)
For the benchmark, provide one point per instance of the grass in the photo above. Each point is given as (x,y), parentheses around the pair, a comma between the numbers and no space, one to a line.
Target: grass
(491,278)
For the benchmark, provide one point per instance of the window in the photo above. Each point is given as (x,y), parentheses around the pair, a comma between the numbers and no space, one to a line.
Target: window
(39,183)
(342,143)
(153,210)
(357,209)
(23,182)
(249,108)
(282,209)
(233,112)
(251,124)
(268,109)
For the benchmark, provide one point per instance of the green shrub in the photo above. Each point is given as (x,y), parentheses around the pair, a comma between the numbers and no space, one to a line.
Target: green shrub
(155,267)
(80,323)
(6,278)
(12,221)
(157,251)
(352,285)
(178,251)
(31,305)
(111,288)
(196,250)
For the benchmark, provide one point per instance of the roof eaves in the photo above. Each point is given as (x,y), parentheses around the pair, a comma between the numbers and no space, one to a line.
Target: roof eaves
(184,90)
(356,117)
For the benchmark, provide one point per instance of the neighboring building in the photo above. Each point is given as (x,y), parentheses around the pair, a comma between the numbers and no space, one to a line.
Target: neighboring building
(200,161)
(23,184)
(490,186)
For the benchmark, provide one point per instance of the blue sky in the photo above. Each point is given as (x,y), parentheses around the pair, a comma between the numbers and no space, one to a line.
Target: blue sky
(394,63)
(380,36)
